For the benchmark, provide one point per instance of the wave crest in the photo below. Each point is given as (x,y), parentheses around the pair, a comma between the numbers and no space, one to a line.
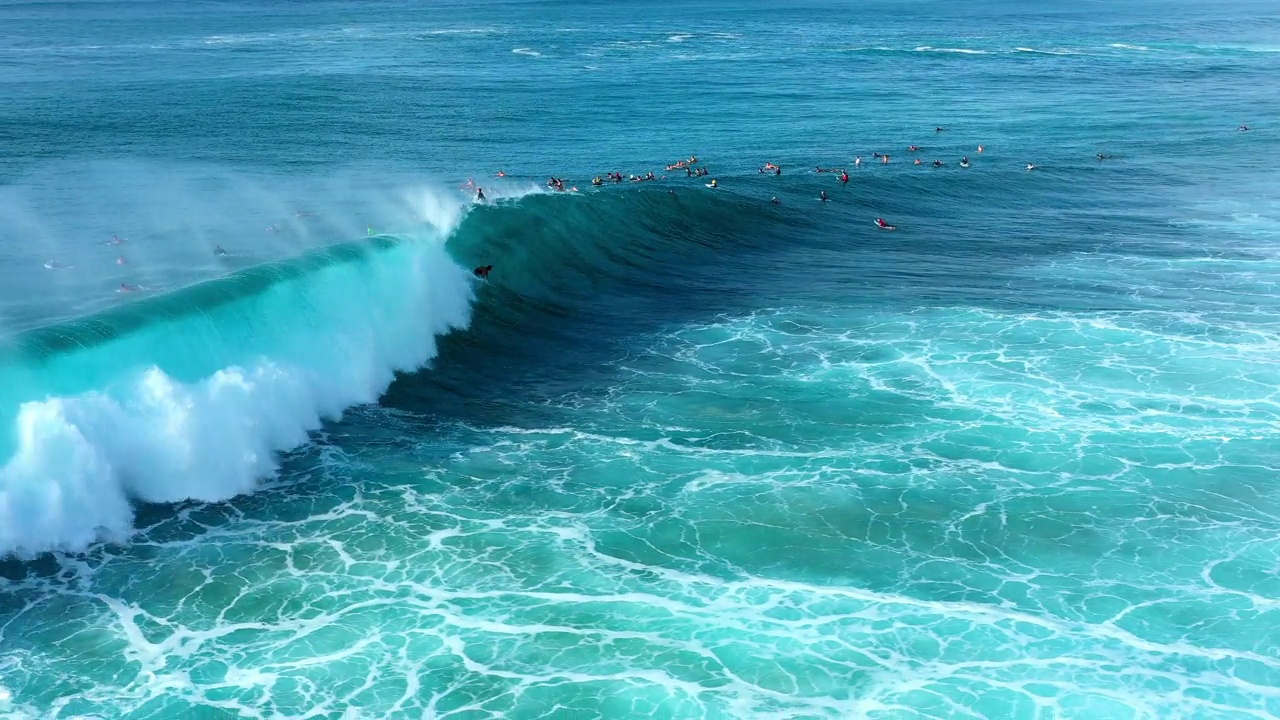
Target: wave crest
(192,395)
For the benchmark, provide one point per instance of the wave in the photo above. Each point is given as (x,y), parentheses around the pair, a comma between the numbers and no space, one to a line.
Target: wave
(192,394)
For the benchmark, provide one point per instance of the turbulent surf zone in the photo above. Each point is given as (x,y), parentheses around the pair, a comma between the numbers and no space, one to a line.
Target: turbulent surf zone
(623,489)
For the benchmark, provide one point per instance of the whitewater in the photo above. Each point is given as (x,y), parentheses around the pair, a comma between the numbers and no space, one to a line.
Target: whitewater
(269,448)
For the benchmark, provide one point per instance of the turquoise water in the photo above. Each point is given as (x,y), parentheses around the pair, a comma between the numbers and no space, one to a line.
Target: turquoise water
(688,453)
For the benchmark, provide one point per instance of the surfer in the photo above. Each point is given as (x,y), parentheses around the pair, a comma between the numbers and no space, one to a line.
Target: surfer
(884,225)
(597,181)
(1030,167)
(775,201)
(964,161)
(980,149)
(939,129)
(937,163)
(844,177)
(500,174)
(479,194)
(120,260)
(857,162)
(822,196)
(713,184)
(218,251)
(884,159)
(55,265)
(1103,157)
(115,240)
(1243,128)
(913,148)
(483,271)
(126,287)
(918,161)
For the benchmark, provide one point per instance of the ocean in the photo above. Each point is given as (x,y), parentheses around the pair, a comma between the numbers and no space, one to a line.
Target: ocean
(270,449)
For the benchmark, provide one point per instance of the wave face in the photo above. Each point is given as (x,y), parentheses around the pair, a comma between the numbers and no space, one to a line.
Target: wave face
(191,395)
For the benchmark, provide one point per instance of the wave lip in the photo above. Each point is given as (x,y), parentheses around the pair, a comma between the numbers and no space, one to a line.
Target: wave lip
(191,395)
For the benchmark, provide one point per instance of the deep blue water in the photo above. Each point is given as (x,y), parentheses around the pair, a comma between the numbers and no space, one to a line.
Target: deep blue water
(688,453)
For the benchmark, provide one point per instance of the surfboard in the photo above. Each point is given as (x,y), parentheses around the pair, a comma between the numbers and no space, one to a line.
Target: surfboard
(713,187)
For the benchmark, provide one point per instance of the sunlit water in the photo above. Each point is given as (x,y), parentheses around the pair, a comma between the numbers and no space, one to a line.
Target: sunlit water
(688,453)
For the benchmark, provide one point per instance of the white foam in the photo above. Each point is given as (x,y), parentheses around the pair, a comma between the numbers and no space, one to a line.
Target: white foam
(1038,51)
(962,51)
(527,51)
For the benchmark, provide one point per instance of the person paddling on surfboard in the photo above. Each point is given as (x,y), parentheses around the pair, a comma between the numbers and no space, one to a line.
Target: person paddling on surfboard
(884,225)
(483,271)
(822,196)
